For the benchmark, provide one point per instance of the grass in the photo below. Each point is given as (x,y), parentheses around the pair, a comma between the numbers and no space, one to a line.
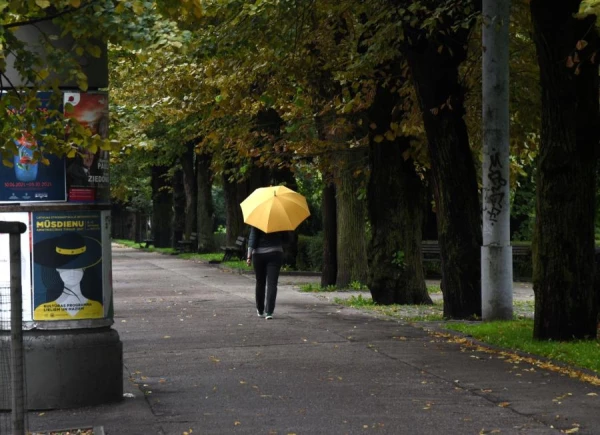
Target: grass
(214,256)
(408,313)
(518,335)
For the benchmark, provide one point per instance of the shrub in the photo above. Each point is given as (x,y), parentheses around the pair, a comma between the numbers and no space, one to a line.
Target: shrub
(310,253)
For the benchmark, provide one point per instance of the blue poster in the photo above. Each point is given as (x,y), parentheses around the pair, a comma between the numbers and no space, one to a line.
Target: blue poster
(29,180)
(67,265)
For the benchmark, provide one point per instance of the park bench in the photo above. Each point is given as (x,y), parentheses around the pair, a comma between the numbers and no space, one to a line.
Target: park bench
(146,243)
(188,245)
(236,251)
(431,250)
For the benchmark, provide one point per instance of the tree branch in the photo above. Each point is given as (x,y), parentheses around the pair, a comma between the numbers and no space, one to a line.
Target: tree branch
(57,14)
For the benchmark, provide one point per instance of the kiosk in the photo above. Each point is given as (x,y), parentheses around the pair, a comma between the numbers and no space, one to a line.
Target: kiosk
(73,357)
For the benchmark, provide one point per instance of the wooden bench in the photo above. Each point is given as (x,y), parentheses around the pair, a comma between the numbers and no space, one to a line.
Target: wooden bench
(146,243)
(236,251)
(189,245)
(431,250)
(521,250)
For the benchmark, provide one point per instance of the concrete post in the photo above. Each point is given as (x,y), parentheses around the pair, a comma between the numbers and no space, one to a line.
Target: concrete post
(496,252)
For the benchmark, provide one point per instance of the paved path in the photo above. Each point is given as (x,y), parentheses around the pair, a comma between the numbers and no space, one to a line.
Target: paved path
(199,360)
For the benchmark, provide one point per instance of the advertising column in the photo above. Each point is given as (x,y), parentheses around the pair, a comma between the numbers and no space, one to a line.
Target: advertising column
(74,358)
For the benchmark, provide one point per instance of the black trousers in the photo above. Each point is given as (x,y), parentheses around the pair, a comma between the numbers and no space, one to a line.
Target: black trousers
(266,269)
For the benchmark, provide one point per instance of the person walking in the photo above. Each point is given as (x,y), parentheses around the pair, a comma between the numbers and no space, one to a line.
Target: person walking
(265,253)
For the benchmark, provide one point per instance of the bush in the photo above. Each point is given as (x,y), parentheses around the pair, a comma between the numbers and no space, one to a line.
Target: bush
(522,268)
(310,253)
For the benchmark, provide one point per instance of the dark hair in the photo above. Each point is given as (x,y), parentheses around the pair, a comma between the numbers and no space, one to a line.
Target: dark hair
(55,285)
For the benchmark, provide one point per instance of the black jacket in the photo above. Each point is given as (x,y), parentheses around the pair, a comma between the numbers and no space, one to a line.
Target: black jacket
(270,241)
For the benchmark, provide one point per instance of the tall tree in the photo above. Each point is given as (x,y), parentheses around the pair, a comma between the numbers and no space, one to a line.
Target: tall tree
(190,189)
(162,207)
(328,209)
(565,299)
(351,214)
(435,45)
(396,200)
(204,204)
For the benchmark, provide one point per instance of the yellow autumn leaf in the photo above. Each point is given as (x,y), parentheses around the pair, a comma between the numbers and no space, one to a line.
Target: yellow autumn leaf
(378,138)
(581,44)
(43,3)
(95,51)
(75,3)
(44,73)
(572,430)
(570,62)
(138,7)
(504,404)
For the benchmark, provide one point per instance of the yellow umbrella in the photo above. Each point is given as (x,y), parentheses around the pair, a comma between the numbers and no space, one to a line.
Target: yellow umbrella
(275,208)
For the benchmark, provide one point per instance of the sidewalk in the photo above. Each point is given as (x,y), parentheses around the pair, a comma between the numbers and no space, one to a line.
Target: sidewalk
(199,360)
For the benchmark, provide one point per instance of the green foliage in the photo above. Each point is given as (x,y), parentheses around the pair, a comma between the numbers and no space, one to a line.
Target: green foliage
(358,286)
(314,288)
(310,253)
(522,209)
(398,259)
(517,335)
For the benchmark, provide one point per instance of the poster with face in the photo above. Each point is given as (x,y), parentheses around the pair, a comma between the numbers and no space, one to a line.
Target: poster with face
(5,300)
(87,172)
(29,180)
(68,273)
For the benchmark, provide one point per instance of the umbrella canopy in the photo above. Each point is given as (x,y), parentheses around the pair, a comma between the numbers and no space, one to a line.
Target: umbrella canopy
(275,208)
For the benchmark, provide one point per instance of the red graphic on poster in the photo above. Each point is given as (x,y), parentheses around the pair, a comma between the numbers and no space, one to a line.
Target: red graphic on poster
(87,173)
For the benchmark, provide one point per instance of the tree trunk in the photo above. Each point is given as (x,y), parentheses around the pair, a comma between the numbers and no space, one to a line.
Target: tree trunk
(178,197)
(161,207)
(441,99)
(329,272)
(396,200)
(204,205)
(189,185)
(234,193)
(351,212)
(563,250)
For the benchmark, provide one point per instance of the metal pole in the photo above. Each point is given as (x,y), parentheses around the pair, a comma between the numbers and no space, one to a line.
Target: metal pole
(496,252)
(15,229)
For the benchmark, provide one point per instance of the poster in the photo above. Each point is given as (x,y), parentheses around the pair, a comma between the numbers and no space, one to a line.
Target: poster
(29,180)
(5,270)
(87,173)
(68,272)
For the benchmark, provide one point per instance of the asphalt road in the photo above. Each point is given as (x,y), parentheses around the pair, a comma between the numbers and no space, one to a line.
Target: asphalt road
(199,361)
